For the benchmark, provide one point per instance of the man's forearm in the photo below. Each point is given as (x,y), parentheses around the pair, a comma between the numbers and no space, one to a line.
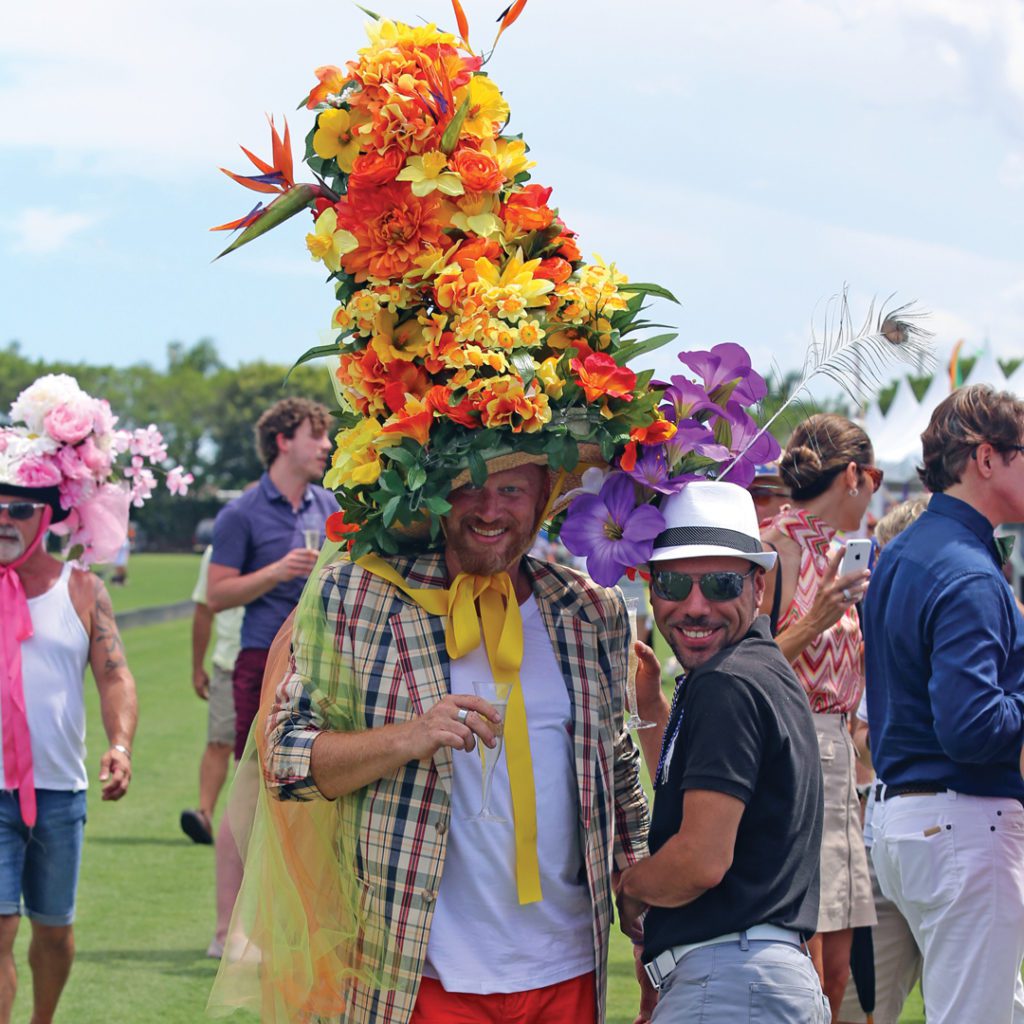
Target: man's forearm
(673,877)
(342,762)
(202,619)
(235,591)
(119,706)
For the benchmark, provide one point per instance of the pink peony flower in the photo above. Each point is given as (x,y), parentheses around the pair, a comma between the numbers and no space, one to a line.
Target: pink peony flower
(103,419)
(70,421)
(95,458)
(70,464)
(75,492)
(104,523)
(38,472)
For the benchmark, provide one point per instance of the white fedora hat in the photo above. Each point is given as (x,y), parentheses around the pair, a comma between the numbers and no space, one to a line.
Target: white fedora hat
(711,518)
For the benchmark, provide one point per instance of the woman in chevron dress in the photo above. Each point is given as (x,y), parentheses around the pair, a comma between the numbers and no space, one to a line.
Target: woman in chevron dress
(829,466)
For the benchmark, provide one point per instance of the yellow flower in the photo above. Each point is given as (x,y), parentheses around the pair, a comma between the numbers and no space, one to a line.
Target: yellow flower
(547,373)
(356,459)
(335,136)
(530,333)
(405,342)
(328,243)
(511,157)
(427,173)
(488,110)
(386,34)
(511,290)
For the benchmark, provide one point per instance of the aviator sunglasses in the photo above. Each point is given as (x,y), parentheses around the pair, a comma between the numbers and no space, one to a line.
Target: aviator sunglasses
(21,509)
(715,586)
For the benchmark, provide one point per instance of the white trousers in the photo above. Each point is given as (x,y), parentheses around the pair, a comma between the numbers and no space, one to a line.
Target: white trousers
(954,865)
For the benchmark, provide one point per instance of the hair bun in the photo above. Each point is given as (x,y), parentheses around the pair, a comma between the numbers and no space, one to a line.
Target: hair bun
(799,466)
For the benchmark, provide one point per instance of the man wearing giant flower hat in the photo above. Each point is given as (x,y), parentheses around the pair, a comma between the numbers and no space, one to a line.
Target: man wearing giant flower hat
(57,466)
(481,369)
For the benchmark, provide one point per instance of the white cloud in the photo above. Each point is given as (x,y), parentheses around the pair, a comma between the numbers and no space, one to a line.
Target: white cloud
(42,230)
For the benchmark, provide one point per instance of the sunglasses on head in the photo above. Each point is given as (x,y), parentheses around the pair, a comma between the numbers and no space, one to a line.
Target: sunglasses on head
(715,586)
(21,509)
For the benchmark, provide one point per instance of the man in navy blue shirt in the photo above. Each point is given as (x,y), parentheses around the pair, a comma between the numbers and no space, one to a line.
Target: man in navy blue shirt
(261,558)
(944,649)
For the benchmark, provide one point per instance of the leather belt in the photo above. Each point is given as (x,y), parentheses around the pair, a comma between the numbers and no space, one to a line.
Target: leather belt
(884,792)
(664,963)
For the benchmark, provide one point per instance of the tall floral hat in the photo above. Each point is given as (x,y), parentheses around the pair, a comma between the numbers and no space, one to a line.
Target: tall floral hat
(470,333)
(63,448)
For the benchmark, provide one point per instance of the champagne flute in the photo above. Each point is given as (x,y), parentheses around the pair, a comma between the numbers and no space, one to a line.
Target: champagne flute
(634,721)
(497,695)
(311,538)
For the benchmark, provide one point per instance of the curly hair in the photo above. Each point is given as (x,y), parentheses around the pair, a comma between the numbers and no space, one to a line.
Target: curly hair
(285,417)
(818,450)
(898,518)
(970,416)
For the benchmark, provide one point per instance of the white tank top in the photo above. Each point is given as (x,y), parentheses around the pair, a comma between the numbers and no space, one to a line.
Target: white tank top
(53,664)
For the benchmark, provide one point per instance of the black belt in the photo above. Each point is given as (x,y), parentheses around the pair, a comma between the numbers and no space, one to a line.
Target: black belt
(884,792)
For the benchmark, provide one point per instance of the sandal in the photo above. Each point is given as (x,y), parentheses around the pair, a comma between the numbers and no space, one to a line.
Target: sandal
(196,825)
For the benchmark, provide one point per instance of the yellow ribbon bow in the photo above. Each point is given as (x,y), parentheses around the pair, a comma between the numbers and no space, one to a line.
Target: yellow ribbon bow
(503,640)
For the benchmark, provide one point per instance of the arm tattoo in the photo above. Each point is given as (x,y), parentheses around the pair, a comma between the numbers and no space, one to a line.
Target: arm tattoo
(106,640)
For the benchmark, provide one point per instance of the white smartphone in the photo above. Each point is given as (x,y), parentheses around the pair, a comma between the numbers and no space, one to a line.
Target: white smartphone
(856,557)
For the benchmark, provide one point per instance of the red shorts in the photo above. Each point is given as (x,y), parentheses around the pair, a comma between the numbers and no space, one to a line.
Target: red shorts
(566,1002)
(246,682)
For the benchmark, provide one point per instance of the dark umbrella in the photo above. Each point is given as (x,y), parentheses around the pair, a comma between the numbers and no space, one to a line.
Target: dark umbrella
(862,967)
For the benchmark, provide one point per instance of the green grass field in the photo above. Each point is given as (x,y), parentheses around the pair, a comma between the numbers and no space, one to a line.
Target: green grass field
(153,580)
(145,906)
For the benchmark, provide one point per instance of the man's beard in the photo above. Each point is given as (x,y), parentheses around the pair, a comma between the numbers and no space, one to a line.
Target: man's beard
(487,560)
(12,546)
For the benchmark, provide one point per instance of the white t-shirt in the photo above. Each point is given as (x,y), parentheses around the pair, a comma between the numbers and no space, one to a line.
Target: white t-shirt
(227,625)
(481,940)
(53,664)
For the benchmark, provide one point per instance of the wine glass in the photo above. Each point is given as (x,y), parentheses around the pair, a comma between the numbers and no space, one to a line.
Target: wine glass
(497,695)
(312,525)
(634,721)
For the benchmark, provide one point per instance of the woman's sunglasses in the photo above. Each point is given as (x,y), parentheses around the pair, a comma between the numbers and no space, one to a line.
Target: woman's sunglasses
(874,474)
(715,586)
(21,509)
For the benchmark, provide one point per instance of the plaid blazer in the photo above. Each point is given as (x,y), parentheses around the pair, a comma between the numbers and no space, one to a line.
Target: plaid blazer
(398,652)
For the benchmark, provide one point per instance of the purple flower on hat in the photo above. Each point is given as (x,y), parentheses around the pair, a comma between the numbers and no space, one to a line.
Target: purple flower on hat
(724,364)
(687,399)
(749,453)
(691,436)
(610,530)
(652,470)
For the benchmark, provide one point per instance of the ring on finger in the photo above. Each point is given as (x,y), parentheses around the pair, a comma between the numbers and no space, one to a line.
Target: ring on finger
(847,596)
(463,715)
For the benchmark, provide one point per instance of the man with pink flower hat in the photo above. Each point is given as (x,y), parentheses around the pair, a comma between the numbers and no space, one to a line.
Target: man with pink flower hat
(56,468)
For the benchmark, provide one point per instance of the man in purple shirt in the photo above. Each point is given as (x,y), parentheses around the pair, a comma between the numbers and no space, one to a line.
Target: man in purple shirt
(266,542)
(944,658)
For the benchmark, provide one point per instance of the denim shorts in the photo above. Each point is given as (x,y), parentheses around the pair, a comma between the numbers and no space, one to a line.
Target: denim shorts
(41,866)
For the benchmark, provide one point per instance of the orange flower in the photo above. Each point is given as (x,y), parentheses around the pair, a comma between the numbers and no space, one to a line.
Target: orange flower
(332,80)
(464,413)
(567,247)
(654,433)
(527,209)
(375,168)
(627,461)
(337,528)
(601,377)
(479,171)
(503,403)
(392,227)
(554,268)
(412,420)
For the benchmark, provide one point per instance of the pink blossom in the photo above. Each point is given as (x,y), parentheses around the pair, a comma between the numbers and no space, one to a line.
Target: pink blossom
(142,487)
(69,421)
(75,492)
(149,443)
(104,521)
(178,481)
(38,472)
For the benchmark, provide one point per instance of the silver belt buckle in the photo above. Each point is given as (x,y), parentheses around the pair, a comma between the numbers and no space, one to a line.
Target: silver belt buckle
(660,967)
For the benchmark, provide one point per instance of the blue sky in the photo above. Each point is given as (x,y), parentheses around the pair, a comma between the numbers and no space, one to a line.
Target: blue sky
(751,155)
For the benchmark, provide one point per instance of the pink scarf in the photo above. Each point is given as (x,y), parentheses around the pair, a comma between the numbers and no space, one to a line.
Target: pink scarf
(15,628)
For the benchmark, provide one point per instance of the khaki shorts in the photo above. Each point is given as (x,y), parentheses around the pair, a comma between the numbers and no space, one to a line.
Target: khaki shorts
(846,900)
(221,722)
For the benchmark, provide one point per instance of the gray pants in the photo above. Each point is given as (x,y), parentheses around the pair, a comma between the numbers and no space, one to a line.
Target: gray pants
(768,982)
